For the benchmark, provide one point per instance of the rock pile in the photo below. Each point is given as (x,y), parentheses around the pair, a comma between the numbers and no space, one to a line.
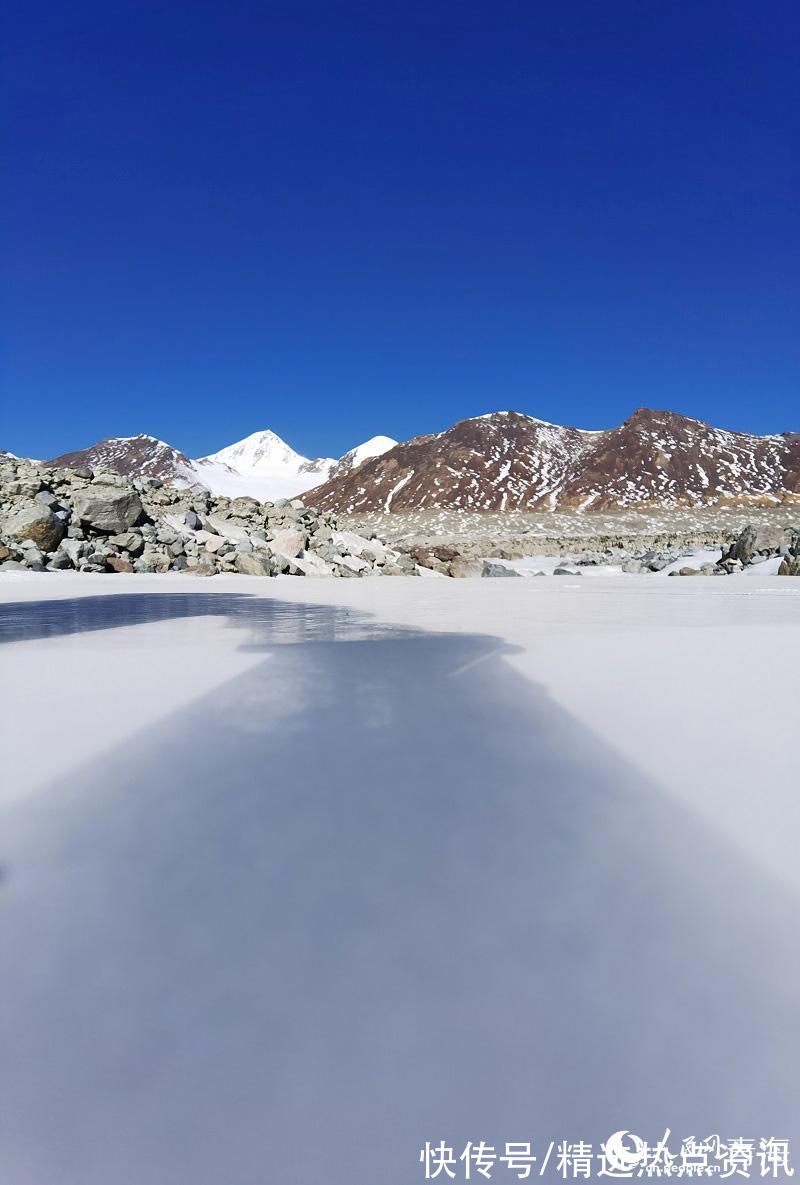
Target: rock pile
(753,545)
(54,519)
(756,544)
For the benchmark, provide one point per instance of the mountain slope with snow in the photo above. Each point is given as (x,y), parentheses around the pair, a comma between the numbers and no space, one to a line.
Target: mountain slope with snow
(509,461)
(664,459)
(133,456)
(501,461)
(261,466)
(497,462)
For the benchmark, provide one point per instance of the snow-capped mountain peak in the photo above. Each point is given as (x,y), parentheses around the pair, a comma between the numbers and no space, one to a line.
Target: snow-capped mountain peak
(376,446)
(259,454)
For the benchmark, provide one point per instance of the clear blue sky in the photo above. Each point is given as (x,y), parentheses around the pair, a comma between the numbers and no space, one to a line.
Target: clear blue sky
(343,218)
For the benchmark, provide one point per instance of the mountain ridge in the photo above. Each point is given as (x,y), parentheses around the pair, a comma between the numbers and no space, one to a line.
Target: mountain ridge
(498,461)
(261,465)
(508,460)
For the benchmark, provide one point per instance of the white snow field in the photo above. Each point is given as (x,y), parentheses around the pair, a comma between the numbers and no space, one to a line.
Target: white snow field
(298,875)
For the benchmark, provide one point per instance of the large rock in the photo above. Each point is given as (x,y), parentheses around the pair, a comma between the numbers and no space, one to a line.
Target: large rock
(130,541)
(406,564)
(226,529)
(60,562)
(152,561)
(76,549)
(119,563)
(250,564)
(790,566)
(349,543)
(490,569)
(352,565)
(37,523)
(772,540)
(211,542)
(312,565)
(107,508)
(758,540)
(288,542)
(464,566)
(743,547)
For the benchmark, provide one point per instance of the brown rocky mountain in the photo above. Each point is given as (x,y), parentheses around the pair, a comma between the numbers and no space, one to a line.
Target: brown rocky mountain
(507,460)
(502,461)
(665,459)
(133,456)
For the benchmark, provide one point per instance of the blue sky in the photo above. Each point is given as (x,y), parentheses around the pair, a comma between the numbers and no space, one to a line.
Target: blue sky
(339,219)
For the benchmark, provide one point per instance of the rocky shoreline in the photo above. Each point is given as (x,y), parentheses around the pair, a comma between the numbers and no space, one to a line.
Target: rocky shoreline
(62,519)
(751,546)
(59,519)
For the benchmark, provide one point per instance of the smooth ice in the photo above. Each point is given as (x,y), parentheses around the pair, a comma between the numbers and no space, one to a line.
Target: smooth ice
(376,887)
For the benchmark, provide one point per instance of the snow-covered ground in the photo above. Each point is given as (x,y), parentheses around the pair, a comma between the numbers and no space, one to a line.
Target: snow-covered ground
(297,875)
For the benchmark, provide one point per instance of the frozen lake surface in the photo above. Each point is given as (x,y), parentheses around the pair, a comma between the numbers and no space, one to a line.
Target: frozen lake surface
(293,882)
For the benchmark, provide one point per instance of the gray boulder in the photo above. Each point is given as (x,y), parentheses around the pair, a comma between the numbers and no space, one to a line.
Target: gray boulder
(212,543)
(289,542)
(60,562)
(107,508)
(354,565)
(151,561)
(491,569)
(38,524)
(48,499)
(130,541)
(761,540)
(74,549)
(249,563)
(228,530)
(464,566)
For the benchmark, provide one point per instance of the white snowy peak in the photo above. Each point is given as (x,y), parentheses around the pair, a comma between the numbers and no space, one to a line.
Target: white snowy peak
(376,446)
(264,453)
